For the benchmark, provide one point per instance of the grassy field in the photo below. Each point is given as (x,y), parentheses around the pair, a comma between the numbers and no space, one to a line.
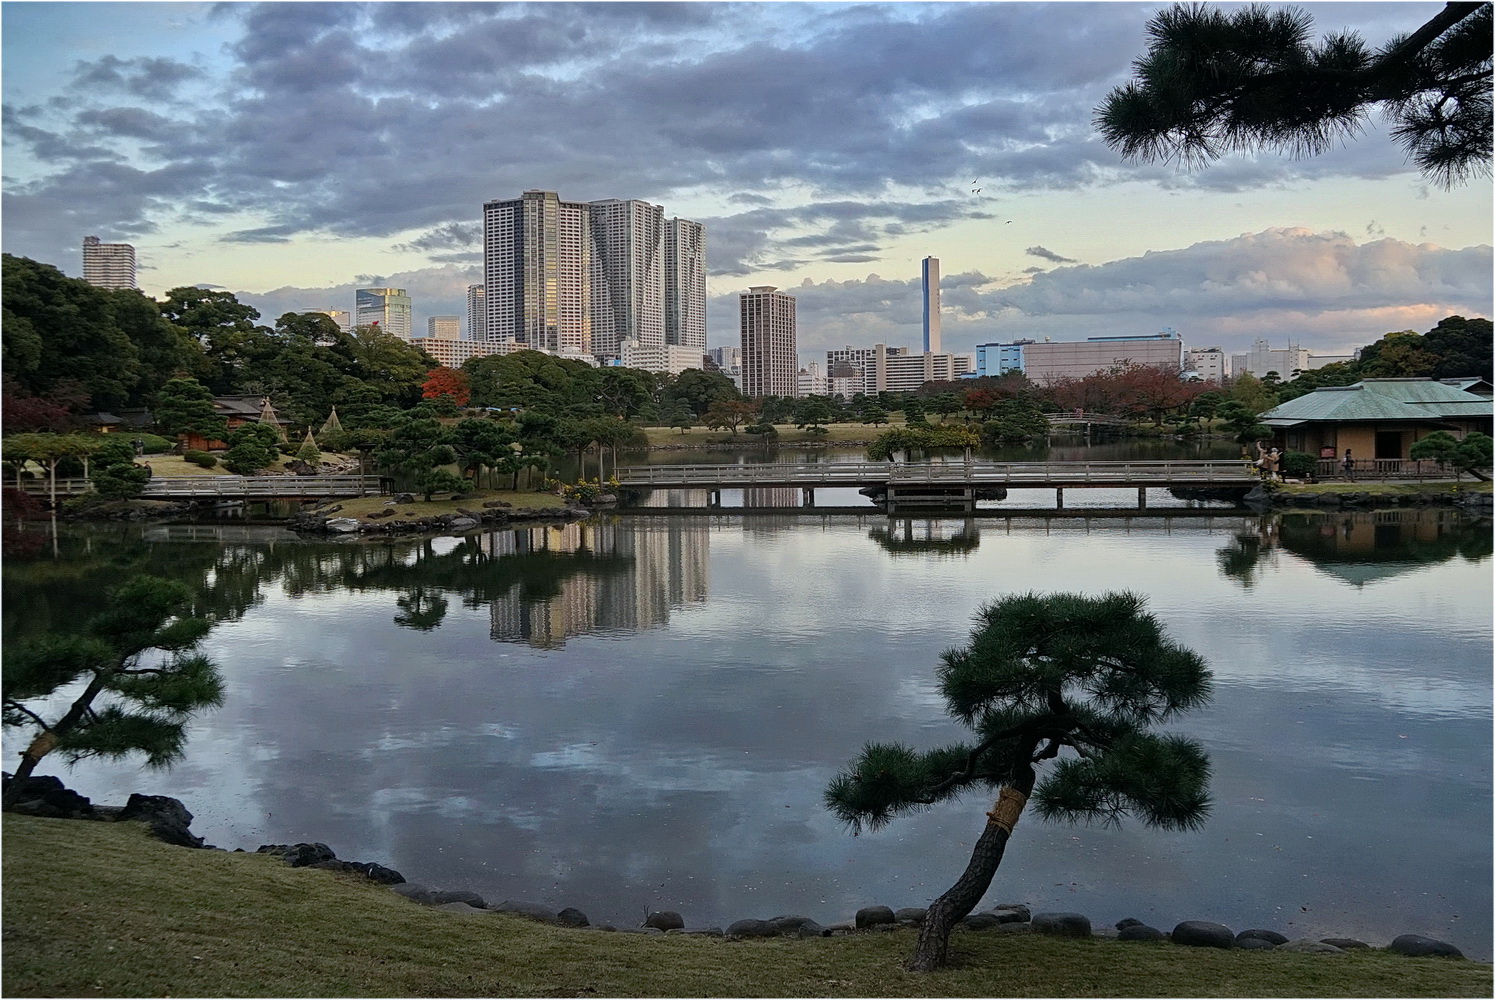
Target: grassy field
(98,909)
(362,507)
(1386,488)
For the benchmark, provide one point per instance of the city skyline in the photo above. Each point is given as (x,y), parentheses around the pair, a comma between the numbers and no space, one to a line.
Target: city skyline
(827,149)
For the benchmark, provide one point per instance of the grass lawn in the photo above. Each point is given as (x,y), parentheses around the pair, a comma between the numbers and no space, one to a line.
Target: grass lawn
(100,909)
(362,507)
(1400,487)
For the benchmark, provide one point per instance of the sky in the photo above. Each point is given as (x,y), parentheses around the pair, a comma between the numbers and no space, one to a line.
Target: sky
(293,152)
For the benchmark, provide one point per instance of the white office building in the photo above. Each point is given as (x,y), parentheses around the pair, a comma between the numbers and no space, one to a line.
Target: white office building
(387,307)
(812,381)
(108,265)
(444,327)
(477,318)
(1208,364)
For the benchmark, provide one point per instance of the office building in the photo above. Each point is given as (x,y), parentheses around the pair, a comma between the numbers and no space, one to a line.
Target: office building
(999,359)
(1048,362)
(444,327)
(451,353)
(668,359)
(387,307)
(108,265)
(812,381)
(1208,364)
(931,305)
(770,359)
(477,319)
(725,357)
(583,278)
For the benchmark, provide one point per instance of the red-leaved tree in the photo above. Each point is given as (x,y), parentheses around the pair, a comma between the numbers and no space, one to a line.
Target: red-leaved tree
(447,382)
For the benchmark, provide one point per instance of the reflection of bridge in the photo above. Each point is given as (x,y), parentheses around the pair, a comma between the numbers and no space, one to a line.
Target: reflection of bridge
(940,485)
(232,487)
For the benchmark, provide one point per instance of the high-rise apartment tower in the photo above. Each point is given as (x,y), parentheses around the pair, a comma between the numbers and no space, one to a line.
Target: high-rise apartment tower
(108,265)
(477,317)
(770,357)
(931,305)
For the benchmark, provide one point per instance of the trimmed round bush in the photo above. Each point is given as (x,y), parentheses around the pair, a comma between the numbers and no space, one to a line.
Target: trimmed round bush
(154,444)
(201,458)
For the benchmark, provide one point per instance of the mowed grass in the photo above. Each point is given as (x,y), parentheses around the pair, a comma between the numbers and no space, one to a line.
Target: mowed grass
(1387,488)
(362,507)
(100,909)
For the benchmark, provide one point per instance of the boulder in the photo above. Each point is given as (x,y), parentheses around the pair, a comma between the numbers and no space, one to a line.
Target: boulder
(664,920)
(1345,944)
(45,795)
(750,928)
(1418,946)
(979,922)
(1140,932)
(533,911)
(167,818)
(572,917)
(299,855)
(1254,944)
(1075,925)
(1310,947)
(440,896)
(376,872)
(873,916)
(404,498)
(413,891)
(1126,922)
(1011,913)
(793,925)
(910,915)
(342,525)
(1203,934)
(463,523)
(1271,937)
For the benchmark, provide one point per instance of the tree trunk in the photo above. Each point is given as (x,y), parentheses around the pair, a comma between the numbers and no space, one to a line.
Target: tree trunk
(934,936)
(47,739)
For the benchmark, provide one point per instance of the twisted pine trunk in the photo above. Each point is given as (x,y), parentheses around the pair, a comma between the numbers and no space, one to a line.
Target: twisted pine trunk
(942,916)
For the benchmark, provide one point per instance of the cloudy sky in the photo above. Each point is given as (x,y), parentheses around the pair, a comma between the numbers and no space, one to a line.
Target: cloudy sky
(293,152)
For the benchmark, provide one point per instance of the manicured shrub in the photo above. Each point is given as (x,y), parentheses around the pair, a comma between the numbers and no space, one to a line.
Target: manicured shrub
(1298,464)
(154,444)
(201,458)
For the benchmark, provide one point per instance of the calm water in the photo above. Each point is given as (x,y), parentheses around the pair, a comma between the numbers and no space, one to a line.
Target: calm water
(641,712)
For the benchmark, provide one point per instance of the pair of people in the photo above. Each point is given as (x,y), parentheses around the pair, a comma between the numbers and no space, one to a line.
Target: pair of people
(1348,465)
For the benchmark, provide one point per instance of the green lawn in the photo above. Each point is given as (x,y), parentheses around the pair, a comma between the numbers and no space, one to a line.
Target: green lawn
(362,507)
(1395,487)
(97,909)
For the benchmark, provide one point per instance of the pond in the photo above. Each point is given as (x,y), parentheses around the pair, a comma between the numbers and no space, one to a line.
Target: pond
(641,711)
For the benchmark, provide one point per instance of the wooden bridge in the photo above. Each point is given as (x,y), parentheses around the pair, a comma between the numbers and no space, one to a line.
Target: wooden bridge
(1070,417)
(941,485)
(231,487)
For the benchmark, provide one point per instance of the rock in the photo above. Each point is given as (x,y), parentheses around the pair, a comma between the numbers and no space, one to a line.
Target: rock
(463,523)
(533,911)
(440,896)
(1418,946)
(1140,932)
(750,928)
(498,503)
(403,498)
(46,796)
(841,927)
(299,855)
(1345,944)
(1309,946)
(1203,934)
(572,917)
(376,872)
(1126,922)
(664,920)
(793,925)
(911,915)
(413,891)
(1254,944)
(460,908)
(1327,500)
(381,513)
(1271,937)
(167,818)
(342,525)
(872,916)
(1014,913)
(1075,925)
(979,922)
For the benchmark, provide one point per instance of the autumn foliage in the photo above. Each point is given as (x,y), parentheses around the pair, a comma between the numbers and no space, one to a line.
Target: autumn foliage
(447,382)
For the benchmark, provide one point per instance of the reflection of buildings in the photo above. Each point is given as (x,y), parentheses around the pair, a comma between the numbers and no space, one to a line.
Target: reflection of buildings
(668,568)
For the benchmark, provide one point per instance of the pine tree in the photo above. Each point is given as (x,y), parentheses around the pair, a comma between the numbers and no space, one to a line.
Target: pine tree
(1066,678)
(140,652)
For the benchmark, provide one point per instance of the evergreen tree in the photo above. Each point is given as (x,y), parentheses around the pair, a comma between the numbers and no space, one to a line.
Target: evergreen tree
(150,697)
(1079,681)
(185,406)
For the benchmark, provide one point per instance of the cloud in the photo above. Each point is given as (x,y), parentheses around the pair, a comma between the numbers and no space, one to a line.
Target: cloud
(1049,255)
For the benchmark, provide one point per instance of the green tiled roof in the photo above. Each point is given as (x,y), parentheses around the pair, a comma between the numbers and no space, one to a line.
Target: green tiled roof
(1382,399)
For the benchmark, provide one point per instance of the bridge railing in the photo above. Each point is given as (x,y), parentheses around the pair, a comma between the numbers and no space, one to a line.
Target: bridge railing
(861,473)
(228,487)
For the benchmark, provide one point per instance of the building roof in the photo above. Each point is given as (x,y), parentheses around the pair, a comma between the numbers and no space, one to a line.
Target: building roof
(1381,399)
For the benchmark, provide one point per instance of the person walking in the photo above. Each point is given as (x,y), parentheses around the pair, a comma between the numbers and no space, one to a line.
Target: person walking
(1348,464)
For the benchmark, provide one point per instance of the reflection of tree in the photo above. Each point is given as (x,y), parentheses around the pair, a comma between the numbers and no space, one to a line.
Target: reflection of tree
(1359,547)
(904,540)
(420,610)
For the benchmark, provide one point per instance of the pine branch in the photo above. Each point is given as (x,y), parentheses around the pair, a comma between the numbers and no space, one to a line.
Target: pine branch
(15,706)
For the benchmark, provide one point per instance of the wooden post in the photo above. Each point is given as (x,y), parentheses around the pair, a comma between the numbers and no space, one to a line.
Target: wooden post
(1059,498)
(1141,497)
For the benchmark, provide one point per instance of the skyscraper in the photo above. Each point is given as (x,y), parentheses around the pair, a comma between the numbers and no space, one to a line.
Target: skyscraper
(770,357)
(685,283)
(588,277)
(388,307)
(108,265)
(931,305)
(444,327)
(477,318)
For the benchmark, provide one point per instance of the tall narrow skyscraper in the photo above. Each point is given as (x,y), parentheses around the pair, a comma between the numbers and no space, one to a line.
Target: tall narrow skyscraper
(770,355)
(477,316)
(537,272)
(685,284)
(108,265)
(931,305)
(388,307)
(627,275)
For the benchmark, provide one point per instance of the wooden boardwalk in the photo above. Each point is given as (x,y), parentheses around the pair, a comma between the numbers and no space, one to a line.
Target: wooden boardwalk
(231,487)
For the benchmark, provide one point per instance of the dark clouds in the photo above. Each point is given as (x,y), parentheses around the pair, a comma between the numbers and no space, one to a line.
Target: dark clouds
(1046,254)
(357,120)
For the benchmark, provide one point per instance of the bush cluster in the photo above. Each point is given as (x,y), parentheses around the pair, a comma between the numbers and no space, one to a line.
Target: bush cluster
(201,458)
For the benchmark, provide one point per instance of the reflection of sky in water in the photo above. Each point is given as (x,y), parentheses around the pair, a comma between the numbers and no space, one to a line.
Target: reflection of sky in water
(672,749)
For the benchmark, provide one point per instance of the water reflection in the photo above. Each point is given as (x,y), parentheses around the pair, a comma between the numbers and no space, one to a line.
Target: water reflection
(911,536)
(1357,548)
